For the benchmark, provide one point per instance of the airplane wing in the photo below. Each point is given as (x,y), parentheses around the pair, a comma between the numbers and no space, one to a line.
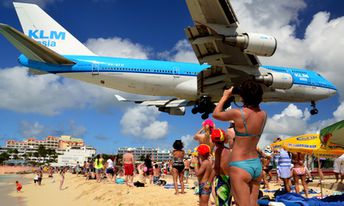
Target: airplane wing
(217,40)
(171,106)
(32,49)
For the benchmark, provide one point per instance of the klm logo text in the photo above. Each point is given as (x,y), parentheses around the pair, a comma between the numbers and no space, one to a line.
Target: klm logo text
(47,38)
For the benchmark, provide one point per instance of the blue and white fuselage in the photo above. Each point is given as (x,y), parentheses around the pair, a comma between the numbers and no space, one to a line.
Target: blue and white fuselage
(47,47)
(163,78)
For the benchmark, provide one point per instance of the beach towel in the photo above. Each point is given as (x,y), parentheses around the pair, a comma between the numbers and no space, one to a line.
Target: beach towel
(171,186)
(293,199)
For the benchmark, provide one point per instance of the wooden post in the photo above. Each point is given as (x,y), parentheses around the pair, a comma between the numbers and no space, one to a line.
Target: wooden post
(319,168)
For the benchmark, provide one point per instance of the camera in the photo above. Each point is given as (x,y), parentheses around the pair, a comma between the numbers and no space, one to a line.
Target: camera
(236,90)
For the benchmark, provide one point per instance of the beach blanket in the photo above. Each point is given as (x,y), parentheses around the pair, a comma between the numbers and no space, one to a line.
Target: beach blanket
(171,186)
(293,199)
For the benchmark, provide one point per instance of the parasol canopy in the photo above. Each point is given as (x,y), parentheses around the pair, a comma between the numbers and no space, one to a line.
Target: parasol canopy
(333,134)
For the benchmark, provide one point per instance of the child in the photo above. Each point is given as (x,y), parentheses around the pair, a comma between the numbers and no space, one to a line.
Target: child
(19,186)
(35,179)
(156,174)
(203,174)
(221,168)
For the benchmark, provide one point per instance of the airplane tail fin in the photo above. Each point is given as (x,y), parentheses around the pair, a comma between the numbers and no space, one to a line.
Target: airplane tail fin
(39,26)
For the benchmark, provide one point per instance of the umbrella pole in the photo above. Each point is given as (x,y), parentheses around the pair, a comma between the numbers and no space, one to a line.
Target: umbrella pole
(319,168)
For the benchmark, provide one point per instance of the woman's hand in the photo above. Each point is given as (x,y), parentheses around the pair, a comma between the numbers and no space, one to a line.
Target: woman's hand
(227,93)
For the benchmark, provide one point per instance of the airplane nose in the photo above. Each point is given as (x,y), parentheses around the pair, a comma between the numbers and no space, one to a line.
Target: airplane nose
(332,92)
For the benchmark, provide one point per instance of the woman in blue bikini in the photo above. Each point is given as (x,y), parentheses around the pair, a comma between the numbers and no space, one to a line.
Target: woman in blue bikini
(245,167)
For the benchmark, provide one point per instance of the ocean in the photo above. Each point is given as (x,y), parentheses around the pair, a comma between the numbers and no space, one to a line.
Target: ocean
(8,185)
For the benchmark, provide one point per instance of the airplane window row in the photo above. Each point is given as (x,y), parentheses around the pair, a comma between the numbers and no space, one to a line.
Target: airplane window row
(139,70)
(191,73)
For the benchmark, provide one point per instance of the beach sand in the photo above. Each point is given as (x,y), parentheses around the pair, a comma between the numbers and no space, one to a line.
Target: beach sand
(14,169)
(78,191)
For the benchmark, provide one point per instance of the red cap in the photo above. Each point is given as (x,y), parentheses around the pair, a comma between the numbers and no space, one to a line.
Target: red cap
(218,135)
(203,149)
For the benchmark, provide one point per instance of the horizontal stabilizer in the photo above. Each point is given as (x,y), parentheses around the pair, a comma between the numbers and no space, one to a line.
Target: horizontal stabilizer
(37,72)
(32,49)
(157,103)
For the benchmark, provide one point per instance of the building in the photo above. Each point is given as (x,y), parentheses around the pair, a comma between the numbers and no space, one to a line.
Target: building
(164,155)
(68,141)
(75,154)
(50,142)
(141,152)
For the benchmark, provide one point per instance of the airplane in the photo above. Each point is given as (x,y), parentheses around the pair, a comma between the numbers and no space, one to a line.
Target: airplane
(227,56)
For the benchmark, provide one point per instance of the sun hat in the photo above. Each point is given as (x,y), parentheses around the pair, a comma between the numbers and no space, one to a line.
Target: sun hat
(208,122)
(203,149)
(218,135)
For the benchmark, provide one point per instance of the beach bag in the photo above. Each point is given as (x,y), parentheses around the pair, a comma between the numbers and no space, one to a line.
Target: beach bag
(120,181)
(139,184)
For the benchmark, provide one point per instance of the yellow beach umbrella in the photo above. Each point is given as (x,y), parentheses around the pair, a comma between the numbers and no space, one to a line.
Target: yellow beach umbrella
(306,143)
(328,153)
(276,145)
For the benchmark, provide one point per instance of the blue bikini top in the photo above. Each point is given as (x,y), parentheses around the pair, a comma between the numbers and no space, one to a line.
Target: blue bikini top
(239,134)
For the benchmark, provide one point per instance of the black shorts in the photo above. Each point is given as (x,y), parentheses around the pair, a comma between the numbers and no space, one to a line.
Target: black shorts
(180,168)
(110,171)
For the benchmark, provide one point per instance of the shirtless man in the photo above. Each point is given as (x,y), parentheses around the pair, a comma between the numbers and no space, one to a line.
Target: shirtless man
(203,174)
(128,162)
(203,135)
(186,170)
(221,168)
(299,172)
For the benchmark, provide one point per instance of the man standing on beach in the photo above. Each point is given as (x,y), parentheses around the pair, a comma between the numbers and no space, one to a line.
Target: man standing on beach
(128,162)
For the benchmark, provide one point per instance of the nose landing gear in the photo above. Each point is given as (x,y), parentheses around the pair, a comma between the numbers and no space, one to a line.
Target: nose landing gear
(314,110)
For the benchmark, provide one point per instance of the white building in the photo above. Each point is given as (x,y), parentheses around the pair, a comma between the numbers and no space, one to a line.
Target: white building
(75,154)
(139,152)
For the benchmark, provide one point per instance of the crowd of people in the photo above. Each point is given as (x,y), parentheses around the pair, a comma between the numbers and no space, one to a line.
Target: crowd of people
(227,163)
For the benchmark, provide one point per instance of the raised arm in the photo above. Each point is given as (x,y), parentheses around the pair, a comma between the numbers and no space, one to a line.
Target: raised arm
(218,112)
(199,134)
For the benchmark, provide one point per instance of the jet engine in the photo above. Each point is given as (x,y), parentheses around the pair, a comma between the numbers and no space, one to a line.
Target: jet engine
(253,43)
(276,80)
(173,110)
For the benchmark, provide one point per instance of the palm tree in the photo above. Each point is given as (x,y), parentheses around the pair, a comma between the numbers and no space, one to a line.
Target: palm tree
(42,152)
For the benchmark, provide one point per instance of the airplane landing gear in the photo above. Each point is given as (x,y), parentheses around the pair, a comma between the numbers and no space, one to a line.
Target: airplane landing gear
(314,110)
(204,107)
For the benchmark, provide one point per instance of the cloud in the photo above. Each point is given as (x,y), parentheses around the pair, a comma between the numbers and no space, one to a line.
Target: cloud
(292,121)
(31,129)
(188,141)
(141,121)
(117,47)
(49,94)
(181,52)
(41,3)
(339,113)
(102,137)
(39,130)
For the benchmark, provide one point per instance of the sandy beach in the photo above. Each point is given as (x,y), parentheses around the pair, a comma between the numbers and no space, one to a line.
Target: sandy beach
(14,169)
(78,191)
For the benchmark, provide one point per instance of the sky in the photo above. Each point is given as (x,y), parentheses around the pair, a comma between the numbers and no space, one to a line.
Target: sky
(309,35)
